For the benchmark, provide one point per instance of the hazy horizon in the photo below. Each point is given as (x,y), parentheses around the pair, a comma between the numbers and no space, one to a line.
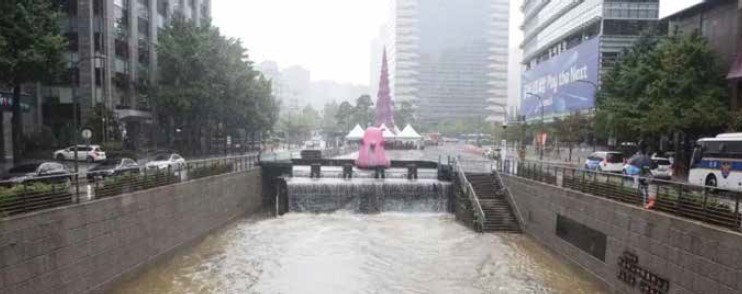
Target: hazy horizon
(331,38)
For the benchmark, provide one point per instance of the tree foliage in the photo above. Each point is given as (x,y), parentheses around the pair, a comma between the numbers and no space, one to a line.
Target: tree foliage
(31,48)
(663,86)
(404,114)
(208,86)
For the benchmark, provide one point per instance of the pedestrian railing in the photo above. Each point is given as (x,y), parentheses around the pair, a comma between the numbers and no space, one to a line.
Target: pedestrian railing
(707,204)
(466,188)
(25,195)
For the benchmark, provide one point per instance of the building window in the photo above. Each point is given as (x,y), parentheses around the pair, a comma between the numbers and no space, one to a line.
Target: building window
(143,26)
(72,41)
(627,27)
(121,48)
(98,40)
(143,9)
(98,7)
(143,52)
(162,7)
(69,7)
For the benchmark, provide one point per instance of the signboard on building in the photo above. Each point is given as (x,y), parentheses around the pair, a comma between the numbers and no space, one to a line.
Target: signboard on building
(564,82)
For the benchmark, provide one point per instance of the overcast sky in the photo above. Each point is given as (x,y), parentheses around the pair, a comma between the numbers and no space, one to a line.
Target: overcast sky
(331,38)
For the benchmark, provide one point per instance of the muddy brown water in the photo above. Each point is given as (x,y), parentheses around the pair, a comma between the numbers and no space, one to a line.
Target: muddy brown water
(354,253)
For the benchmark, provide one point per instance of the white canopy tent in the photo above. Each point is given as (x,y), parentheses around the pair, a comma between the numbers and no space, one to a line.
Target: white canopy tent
(386,133)
(409,134)
(355,134)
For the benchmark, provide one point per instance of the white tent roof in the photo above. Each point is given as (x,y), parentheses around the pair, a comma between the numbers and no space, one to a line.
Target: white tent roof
(396,130)
(355,134)
(409,133)
(385,132)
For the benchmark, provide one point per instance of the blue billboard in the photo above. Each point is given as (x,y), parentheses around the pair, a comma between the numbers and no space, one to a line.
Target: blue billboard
(564,82)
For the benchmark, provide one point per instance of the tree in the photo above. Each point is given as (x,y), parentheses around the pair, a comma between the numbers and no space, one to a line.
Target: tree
(208,87)
(364,112)
(31,48)
(344,115)
(662,87)
(404,114)
(329,122)
(570,130)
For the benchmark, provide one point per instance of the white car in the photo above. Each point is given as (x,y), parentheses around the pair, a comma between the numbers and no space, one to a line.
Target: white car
(605,161)
(164,161)
(89,153)
(663,169)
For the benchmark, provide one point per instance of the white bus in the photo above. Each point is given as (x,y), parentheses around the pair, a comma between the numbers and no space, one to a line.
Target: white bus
(717,162)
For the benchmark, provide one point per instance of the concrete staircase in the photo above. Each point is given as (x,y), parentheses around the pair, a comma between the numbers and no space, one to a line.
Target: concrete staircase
(499,216)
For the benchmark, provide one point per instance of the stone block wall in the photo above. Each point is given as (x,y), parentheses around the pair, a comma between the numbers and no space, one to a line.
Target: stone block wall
(84,248)
(693,257)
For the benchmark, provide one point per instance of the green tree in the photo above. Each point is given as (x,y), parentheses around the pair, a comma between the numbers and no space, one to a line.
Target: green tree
(569,130)
(344,115)
(364,111)
(662,87)
(31,48)
(329,122)
(404,114)
(208,86)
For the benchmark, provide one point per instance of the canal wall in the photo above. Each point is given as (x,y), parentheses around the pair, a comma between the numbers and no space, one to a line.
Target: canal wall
(629,247)
(85,248)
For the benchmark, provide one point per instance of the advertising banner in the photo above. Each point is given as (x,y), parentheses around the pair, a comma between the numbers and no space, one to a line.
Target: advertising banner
(564,82)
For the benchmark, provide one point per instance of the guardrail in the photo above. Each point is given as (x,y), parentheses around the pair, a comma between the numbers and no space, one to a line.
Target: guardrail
(707,204)
(288,155)
(467,189)
(33,193)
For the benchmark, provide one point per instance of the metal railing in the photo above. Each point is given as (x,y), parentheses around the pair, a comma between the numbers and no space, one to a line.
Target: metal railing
(467,189)
(288,155)
(707,204)
(33,193)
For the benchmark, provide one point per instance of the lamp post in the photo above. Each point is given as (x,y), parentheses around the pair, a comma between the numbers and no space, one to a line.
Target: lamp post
(504,142)
(594,96)
(76,119)
(541,147)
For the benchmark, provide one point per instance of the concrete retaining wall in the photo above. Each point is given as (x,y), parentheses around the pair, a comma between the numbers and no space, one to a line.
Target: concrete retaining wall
(84,248)
(693,257)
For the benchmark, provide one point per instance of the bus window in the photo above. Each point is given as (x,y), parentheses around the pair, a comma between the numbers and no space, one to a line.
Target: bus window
(697,155)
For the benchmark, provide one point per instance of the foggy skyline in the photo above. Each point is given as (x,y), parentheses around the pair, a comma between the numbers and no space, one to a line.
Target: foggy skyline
(329,37)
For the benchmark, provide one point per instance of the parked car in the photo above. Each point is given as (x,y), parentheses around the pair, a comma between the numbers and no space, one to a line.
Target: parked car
(605,161)
(163,161)
(113,167)
(89,153)
(44,172)
(663,169)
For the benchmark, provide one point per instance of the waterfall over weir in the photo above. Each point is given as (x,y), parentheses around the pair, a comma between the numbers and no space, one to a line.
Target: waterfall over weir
(368,195)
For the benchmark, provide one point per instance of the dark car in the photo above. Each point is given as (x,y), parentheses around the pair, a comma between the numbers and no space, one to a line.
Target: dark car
(45,172)
(113,167)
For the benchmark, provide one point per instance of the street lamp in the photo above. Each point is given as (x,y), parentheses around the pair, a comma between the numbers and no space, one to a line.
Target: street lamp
(504,147)
(75,118)
(597,88)
(541,101)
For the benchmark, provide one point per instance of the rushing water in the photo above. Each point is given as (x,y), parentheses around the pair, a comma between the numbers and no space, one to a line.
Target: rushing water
(356,253)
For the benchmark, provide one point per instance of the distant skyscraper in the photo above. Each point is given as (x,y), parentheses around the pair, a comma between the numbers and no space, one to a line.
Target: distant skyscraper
(449,57)
(384,109)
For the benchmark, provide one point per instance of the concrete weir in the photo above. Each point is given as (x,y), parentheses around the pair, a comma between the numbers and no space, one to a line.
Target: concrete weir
(368,195)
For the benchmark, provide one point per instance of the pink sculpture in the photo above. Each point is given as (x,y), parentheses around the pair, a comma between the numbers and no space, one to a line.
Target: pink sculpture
(371,154)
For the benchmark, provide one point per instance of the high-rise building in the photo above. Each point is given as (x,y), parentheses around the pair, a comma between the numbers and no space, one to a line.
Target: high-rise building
(112,54)
(567,44)
(449,57)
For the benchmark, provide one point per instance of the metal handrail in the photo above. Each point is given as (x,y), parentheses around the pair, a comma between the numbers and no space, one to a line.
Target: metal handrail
(712,205)
(512,202)
(470,192)
(42,192)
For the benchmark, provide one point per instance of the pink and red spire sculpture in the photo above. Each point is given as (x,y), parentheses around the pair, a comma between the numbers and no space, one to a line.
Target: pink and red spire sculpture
(384,107)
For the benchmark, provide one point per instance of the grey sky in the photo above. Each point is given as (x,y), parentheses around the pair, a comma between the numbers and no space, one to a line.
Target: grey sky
(329,37)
